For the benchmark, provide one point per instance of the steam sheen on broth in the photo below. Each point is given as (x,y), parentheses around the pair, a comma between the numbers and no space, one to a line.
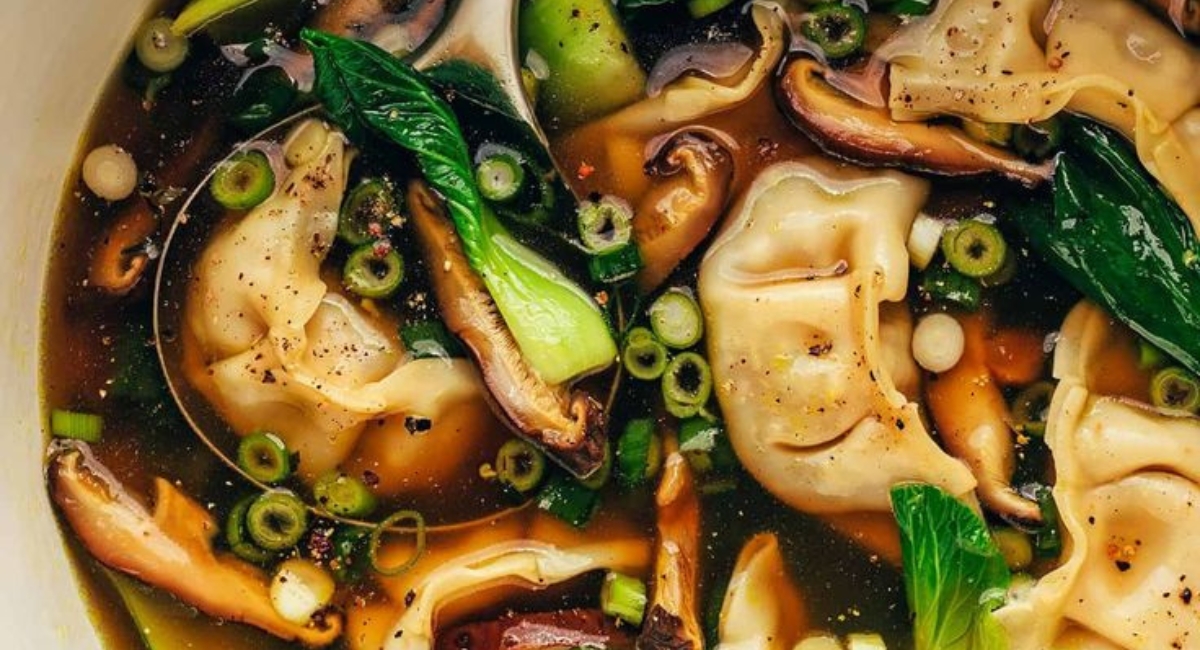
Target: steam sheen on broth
(818,325)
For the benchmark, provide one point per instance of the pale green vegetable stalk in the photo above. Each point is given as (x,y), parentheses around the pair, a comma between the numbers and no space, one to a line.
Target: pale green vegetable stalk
(199,13)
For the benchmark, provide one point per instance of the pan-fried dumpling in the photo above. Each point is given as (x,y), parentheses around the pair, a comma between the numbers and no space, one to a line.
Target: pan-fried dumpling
(805,383)
(1128,489)
(1020,61)
(277,350)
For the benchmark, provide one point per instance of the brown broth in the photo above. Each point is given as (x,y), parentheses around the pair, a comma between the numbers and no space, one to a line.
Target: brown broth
(848,589)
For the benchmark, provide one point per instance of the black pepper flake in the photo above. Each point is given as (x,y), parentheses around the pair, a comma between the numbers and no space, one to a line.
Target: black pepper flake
(414,424)
(409,598)
(268,377)
(1186,596)
(1123,565)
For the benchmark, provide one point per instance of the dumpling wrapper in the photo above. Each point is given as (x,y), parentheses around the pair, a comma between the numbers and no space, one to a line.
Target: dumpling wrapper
(1128,493)
(1021,61)
(803,358)
(763,609)
(279,351)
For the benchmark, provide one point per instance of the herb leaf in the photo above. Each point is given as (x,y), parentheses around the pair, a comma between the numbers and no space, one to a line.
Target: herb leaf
(953,572)
(1118,238)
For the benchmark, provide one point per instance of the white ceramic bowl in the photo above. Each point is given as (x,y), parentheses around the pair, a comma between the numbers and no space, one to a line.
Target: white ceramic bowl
(54,57)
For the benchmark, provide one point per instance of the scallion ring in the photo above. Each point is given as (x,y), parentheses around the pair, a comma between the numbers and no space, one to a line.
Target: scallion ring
(367,212)
(687,381)
(344,495)
(838,29)
(606,224)
(520,465)
(158,47)
(373,272)
(86,427)
(675,318)
(974,248)
(237,537)
(264,457)
(277,520)
(243,181)
(644,356)
(500,177)
(1175,388)
(377,538)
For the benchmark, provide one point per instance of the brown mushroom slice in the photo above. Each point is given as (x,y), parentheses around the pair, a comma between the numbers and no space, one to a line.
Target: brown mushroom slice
(672,620)
(568,424)
(677,213)
(845,127)
(119,259)
(1184,14)
(170,548)
(972,417)
(763,608)
(398,27)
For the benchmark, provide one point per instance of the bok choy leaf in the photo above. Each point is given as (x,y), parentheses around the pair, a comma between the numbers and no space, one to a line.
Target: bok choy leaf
(558,327)
(954,574)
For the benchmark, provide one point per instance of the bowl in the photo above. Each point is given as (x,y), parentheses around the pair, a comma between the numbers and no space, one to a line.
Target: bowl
(54,58)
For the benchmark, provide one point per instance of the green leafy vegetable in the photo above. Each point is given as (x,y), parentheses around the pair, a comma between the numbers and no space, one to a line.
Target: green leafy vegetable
(953,572)
(1120,240)
(199,13)
(559,329)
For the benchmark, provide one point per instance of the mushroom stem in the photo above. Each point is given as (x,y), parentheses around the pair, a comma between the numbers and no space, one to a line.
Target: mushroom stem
(672,621)
(679,212)
(972,417)
(845,127)
(567,424)
(170,549)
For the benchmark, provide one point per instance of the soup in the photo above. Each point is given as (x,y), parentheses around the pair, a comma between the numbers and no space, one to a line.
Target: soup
(784,325)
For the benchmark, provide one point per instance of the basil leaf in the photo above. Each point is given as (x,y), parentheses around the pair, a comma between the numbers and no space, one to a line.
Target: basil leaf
(954,574)
(1119,239)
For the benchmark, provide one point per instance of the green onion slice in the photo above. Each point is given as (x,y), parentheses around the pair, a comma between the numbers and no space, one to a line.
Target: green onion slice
(500,177)
(605,224)
(277,520)
(264,457)
(243,181)
(373,271)
(520,465)
(639,452)
(644,356)
(376,539)
(598,478)
(158,48)
(1038,140)
(974,248)
(687,381)
(839,30)
(624,597)
(1175,388)
(675,317)
(367,212)
(616,265)
(238,538)
(568,499)
(947,286)
(344,495)
(86,427)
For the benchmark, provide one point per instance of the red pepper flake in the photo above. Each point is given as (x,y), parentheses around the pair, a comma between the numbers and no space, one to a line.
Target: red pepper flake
(382,248)
(585,170)
(375,229)
(602,298)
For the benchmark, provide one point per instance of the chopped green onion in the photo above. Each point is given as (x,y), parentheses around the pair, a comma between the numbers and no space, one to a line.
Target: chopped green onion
(974,248)
(947,286)
(520,465)
(706,446)
(624,597)
(367,212)
(344,495)
(349,545)
(675,317)
(377,538)
(243,181)
(373,272)
(925,239)
(617,265)
(76,426)
(1175,388)
(1015,546)
(701,8)
(994,133)
(158,48)
(568,499)
(1038,140)
(644,356)
(598,478)
(500,177)
(1031,407)
(687,380)
(264,457)
(277,520)
(238,538)
(639,453)
(425,339)
(839,30)
(606,224)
